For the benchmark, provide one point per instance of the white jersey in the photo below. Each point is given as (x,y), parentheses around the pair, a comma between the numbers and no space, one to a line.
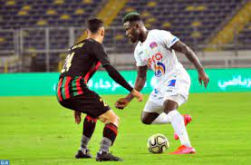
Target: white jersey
(155,52)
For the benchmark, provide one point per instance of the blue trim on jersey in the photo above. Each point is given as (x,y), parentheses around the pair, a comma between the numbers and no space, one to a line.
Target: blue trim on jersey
(174,40)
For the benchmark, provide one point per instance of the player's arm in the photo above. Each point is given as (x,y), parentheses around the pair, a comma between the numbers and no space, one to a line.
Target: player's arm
(116,76)
(139,84)
(113,73)
(181,47)
(140,81)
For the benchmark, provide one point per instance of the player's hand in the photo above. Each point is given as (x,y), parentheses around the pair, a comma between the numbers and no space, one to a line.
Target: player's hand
(137,94)
(203,77)
(121,103)
(77,116)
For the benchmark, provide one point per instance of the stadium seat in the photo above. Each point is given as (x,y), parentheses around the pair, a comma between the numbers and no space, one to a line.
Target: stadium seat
(129,9)
(119,37)
(42,22)
(65,17)
(10,3)
(51,12)
(79,12)
(22,13)
(166,25)
(196,34)
(58,2)
(87,1)
(190,8)
(145,14)
(151,4)
(2,39)
(196,24)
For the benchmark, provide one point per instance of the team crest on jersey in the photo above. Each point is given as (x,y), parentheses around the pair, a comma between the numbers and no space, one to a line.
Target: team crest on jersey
(153,45)
(172,83)
(160,69)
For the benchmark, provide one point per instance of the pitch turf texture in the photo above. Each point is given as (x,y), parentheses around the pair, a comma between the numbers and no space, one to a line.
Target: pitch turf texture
(36,130)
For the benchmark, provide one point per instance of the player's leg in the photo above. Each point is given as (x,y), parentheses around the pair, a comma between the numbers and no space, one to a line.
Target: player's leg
(153,114)
(111,121)
(93,105)
(153,111)
(187,119)
(89,125)
(171,105)
(177,89)
(78,104)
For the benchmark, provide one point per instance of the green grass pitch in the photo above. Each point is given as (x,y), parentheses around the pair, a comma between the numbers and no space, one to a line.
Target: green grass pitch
(36,130)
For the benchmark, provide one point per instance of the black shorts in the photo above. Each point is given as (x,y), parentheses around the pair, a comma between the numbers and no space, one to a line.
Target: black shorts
(89,103)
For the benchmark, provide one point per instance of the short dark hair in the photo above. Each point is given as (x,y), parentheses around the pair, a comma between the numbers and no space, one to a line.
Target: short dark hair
(131,17)
(94,24)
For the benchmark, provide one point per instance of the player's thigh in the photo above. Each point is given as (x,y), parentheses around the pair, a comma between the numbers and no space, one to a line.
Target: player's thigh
(173,102)
(151,111)
(89,103)
(109,117)
(154,104)
(175,92)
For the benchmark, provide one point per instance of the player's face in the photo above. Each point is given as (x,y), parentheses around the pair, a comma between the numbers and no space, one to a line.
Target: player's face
(132,32)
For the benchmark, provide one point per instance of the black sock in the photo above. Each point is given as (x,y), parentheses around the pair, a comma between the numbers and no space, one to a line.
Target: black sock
(88,129)
(110,132)
(109,135)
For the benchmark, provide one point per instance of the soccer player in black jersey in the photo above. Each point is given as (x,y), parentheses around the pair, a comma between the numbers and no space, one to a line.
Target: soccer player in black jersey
(73,93)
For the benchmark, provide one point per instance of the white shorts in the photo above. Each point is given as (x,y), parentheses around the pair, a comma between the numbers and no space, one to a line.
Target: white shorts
(175,88)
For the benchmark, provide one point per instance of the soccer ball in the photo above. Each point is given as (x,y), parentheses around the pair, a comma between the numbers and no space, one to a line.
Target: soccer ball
(157,143)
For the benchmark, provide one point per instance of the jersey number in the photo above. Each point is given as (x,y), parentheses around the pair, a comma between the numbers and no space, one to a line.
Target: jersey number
(67,63)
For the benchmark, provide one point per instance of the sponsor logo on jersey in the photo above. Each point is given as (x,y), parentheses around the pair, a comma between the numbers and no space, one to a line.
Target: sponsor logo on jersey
(160,69)
(154,58)
(171,83)
(153,45)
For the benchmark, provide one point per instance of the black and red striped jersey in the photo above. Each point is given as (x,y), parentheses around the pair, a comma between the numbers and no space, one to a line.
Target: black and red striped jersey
(81,63)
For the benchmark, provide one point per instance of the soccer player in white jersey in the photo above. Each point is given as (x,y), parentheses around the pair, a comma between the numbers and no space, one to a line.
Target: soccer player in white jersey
(156,50)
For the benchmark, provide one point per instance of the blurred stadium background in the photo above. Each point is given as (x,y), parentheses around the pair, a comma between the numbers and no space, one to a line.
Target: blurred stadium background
(35,34)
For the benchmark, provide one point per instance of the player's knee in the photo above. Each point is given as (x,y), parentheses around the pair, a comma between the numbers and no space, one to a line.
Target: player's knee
(169,106)
(167,110)
(117,119)
(144,120)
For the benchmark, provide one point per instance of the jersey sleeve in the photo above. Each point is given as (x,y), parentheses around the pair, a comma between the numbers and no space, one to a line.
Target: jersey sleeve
(167,38)
(101,54)
(139,61)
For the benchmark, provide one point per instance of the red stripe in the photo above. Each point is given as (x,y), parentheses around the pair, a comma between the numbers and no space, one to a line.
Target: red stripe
(89,118)
(87,76)
(78,86)
(59,89)
(112,127)
(67,90)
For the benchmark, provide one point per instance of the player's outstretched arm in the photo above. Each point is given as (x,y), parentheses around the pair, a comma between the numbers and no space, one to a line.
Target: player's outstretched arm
(116,76)
(101,56)
(181,47)
(140,80)
(139,84)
